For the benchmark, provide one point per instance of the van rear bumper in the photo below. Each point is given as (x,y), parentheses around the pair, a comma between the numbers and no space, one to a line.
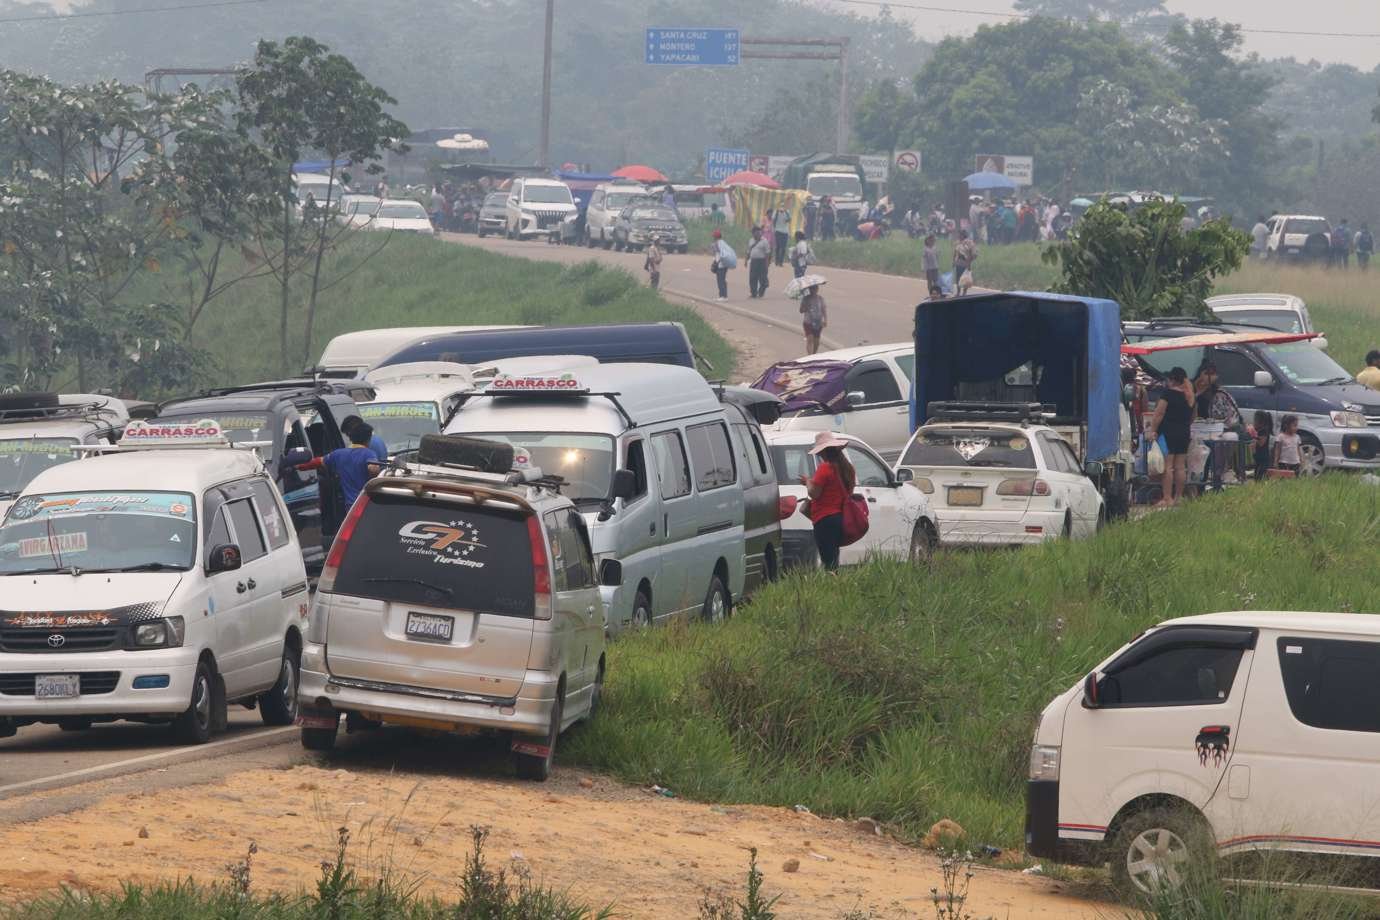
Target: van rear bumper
(1042,828)
(528,713)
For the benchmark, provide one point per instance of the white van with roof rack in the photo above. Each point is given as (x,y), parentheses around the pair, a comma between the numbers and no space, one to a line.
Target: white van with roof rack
(645,454)
(158,582)
(42,430)
(351,354)
(460,596)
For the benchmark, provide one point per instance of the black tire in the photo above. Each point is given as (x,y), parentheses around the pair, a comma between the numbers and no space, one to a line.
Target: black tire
(1067,532)
(75,724)
(923,541)
(480,233)
(596,695)
(608,243)
(29,401)
(1101,519)
(642,610)
(718,606)
(321,740)
(683,250)
(617,244)
(532,766)
(1170,845)
(279,705)
(193,725)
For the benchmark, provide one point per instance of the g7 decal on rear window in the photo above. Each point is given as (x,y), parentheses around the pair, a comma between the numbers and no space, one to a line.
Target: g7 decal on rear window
(450,542)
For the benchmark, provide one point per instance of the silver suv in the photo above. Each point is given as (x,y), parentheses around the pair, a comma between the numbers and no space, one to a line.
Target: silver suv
(605,204)
(460,595)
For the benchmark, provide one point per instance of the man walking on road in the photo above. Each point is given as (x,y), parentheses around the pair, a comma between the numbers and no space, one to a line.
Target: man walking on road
(724,259)
(759,255)
(965,254)
(652,265)
(931,265)
(781,225)
(1260,235)
(802,256)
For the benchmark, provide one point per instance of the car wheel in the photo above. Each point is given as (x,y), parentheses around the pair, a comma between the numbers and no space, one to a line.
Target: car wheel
(537,766)
(480,233)
(596,695)
(1067,532)
(321,740)
(642,611)
(1101,519)
(922,542)
(589,240)
(1157,851)
(684,249)
(193,725)
(608,243)
(1312,460)
(617,244)
(279,705)
(717,604)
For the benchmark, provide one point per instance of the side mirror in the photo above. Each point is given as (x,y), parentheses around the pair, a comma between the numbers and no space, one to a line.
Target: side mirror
(610,573)
(905,474)
(297,456)
(1093,470)
(1263,379)
(624,484)
(1319,342)
(223,558)
(1090,700)
(854,399)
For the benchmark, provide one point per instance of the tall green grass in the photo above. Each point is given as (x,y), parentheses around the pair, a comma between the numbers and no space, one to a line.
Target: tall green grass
(420,281)
(909,694)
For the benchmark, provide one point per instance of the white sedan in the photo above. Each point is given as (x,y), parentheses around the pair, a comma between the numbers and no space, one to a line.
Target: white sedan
(899,519)
(401,215)
(1001,484)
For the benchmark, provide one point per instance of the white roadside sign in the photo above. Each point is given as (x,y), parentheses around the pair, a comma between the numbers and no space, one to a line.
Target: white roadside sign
(877,168)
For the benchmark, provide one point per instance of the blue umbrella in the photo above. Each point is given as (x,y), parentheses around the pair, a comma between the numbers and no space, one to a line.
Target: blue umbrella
(986,181)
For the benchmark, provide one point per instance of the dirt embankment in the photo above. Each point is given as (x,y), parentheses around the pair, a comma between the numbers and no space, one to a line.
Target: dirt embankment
(652,857)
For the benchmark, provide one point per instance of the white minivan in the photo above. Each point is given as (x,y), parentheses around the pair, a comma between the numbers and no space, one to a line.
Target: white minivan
(645,453)
(159,583)
(1214,735)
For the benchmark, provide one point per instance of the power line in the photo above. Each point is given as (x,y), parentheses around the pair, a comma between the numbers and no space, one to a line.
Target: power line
(146,9)
(999,14)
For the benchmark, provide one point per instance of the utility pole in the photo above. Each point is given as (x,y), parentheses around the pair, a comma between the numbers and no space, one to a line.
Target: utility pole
(544,154)
(794,53)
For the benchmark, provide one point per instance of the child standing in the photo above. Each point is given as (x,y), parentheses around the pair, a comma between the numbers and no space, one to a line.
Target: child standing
(1286,453)
(1264,427)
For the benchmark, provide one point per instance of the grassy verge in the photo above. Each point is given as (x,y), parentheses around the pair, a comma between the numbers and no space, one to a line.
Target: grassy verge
(909,695)
(418,281)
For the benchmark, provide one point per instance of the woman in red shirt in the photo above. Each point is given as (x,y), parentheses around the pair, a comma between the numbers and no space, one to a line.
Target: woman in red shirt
(833,482)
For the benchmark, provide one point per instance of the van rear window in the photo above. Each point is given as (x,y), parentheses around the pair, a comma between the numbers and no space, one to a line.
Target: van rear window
(438,554)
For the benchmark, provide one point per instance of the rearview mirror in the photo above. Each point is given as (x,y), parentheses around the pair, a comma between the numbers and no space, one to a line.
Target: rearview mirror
(223,558)
(297,456)
(855,398)
(1263,379)
(905,474)
(624,484)
(1093,470)
(610,573)
(1090,700)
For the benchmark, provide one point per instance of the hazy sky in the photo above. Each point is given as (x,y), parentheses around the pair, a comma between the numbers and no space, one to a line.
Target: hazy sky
(1350,16)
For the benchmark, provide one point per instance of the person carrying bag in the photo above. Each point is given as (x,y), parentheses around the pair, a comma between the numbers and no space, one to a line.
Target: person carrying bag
(831,495)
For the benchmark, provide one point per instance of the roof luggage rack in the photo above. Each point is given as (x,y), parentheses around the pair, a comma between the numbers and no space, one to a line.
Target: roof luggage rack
(952,411)
(317,385)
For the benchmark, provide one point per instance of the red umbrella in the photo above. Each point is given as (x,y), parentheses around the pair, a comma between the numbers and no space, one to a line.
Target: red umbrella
(639,173)
(748,177)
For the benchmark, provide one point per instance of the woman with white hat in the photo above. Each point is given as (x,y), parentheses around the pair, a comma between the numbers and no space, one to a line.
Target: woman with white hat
(833,482)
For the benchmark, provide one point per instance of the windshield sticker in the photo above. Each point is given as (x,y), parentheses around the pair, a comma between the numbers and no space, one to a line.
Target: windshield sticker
(398,410)
(73,503)
(53,545)
(274,525)
(242,422)
(50,447)
(968,448)
(448,543)
(1018,444)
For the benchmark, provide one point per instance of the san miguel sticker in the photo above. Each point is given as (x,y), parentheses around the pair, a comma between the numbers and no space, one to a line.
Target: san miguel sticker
(447,543)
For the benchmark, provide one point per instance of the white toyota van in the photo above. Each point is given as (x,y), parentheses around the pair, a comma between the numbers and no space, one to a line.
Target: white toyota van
(646,456)
(1214,735)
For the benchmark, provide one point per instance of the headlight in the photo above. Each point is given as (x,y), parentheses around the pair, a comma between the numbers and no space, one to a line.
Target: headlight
(1348,419)
(1044,762)
(164,633)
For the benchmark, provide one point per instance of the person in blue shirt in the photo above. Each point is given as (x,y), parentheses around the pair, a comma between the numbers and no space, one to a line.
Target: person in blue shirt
(352,466)
(376,443)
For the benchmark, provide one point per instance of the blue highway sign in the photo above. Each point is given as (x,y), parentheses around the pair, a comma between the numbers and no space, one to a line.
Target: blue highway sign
(692,47)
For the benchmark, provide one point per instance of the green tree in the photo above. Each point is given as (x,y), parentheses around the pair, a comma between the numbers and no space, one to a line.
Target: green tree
(1145,261)
(1171,143)
(300,99)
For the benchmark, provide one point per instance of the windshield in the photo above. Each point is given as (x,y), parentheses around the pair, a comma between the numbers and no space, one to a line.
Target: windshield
(838,186)
(236,428)
(99,531)
(496,200)
(1306,364)
(1306,226)
(364,207)
(659,214)
(617,201)
(401,424)
(547,194)
(21,459)
(1280,320)
(970,447)
(584,461)
(410,211)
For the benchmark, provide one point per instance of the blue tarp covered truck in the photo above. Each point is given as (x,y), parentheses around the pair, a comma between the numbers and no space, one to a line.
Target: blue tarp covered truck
(1020,348)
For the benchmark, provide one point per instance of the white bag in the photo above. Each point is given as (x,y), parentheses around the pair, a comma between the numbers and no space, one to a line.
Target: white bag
(1154,460)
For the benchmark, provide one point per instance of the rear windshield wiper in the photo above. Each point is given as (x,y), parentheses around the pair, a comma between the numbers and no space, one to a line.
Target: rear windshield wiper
(439,589)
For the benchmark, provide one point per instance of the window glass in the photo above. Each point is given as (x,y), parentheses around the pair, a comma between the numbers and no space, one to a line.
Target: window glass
(871,472)
(759,449)
(1235,369)
(98,531)
(1069,456)
(220,531)
(711,456)
(875,382)
(792,461)
(246,525)
(907,365)
(1176,676)
(672,468)
(571,558)
(1332,683)
(1054,457)
(985,447)
(637,465)
(274,524)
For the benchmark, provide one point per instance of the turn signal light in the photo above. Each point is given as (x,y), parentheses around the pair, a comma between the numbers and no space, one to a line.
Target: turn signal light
(1023,487)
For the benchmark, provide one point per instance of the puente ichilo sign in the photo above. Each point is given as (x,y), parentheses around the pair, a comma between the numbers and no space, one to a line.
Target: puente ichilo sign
(692,47)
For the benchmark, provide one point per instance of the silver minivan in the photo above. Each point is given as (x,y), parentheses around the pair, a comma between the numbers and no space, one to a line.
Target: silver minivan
(645,453)
(460,595)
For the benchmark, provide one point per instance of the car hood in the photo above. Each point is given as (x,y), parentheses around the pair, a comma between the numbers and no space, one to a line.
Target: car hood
(114,596)
(402,223)
(1356,394)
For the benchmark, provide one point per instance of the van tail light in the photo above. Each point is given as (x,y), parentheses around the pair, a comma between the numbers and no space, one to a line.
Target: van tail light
(1023,487)
(541,570)
(326,583)
(786,505)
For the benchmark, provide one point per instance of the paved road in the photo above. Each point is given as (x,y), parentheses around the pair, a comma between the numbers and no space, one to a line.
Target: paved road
(864,307)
